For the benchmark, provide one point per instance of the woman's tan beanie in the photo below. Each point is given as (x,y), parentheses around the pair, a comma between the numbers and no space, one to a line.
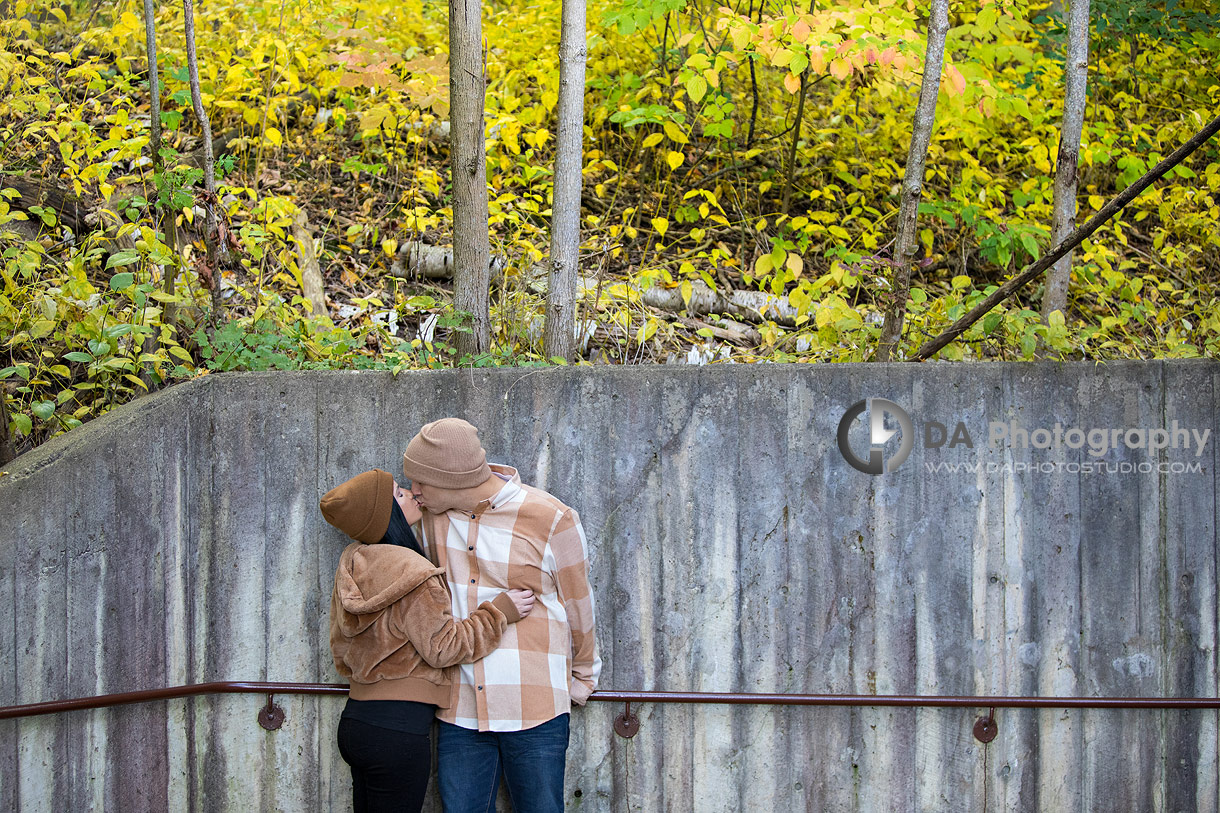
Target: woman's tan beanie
(446,454)
(361,506)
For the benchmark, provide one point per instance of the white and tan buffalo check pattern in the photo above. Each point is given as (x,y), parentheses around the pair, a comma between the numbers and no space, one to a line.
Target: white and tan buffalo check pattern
(521,538)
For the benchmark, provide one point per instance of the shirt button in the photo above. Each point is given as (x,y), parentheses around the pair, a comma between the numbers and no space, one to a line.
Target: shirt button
(480,688)
(470,548)
(472,581)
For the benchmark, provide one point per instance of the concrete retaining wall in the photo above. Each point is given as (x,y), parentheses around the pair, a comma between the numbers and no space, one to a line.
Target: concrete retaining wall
(733,549)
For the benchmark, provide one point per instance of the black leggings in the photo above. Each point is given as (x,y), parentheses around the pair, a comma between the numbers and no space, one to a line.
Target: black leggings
(390,769)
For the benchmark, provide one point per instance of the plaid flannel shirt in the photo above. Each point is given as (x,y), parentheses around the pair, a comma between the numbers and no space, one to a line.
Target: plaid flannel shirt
(522,538)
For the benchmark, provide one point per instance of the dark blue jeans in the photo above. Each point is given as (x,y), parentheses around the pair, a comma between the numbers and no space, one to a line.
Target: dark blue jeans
(470,763)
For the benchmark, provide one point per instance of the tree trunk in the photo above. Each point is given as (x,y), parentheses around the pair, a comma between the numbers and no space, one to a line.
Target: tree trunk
(912,182)
(1075,74)
(154,87)
(154,140)
(471,247)
(6,444)
(158,165)
(210,274)
(560,337)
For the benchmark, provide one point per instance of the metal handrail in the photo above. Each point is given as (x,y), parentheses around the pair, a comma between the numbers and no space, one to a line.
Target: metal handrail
(170,693)
(626,724)
(913,700)
(764,699)
(985,729)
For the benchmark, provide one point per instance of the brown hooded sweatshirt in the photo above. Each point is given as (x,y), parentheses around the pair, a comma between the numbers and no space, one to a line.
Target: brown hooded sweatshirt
(392,633)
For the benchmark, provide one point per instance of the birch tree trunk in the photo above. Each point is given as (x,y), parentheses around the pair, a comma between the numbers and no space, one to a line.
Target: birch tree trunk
(1075,75)
(912,182)
(467,92)
(211,275)
(560,337)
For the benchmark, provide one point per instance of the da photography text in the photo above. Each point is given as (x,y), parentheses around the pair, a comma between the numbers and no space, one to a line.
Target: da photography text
(892,436)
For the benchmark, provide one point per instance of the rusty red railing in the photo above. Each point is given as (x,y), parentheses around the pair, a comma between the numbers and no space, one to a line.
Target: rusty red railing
(627,724)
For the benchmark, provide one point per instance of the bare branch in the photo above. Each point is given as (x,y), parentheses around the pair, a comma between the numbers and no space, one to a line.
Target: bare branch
(1074,239)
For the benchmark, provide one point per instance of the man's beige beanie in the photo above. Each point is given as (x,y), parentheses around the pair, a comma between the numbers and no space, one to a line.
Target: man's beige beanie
(361,506)
(446,454)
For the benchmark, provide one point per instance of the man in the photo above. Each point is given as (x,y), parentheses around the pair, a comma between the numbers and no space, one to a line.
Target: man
(510,710)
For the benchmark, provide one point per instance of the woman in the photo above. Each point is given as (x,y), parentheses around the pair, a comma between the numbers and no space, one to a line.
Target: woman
(392,636)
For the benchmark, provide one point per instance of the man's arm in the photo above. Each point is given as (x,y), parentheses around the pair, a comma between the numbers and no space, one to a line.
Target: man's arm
(570,552)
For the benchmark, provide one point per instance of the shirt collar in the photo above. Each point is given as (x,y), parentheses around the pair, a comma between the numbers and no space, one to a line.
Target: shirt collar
(506,494)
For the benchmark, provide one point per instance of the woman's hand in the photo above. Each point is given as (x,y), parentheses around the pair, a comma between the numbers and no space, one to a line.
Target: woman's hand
(523,600)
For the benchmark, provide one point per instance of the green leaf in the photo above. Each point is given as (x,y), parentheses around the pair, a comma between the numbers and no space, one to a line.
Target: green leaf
(23,424)
(76,355)
(696,88)
(119,259)
(1031,245)
(43,409)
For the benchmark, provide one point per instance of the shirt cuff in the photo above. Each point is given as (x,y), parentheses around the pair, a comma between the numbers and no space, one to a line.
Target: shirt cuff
(505,605)
(579,691)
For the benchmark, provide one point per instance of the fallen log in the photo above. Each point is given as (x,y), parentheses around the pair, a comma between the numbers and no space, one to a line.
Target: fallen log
(418,260)
(727,331)
(70,209)
(751,306)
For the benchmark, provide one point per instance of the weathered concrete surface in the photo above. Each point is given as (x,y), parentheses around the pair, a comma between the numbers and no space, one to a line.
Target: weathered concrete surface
(733,549)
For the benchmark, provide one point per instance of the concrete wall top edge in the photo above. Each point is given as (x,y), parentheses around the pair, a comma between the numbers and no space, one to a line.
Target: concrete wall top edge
(190,393)
(93,434)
